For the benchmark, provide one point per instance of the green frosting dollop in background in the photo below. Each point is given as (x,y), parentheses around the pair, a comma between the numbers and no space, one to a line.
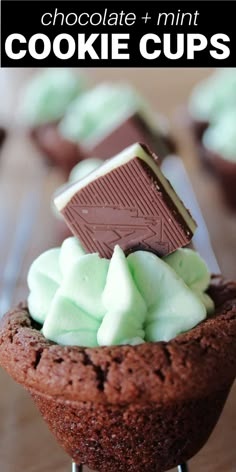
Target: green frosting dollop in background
(48,94)
(214,101)
(220,137)
(93,115)
(213,96)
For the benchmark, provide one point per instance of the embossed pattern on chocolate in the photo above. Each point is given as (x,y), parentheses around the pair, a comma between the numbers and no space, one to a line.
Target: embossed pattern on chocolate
(128,206)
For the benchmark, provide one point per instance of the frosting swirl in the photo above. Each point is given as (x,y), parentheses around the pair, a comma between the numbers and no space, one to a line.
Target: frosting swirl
(93,115)
(48,94)
(212,96)
(83,168)
(220,137)
(82,299)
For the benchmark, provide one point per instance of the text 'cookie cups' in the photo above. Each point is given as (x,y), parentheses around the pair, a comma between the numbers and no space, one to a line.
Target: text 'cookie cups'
(128,408)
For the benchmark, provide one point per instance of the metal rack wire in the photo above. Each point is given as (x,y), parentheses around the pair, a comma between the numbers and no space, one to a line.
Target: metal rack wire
(77,468)
(183,467)
(180,468)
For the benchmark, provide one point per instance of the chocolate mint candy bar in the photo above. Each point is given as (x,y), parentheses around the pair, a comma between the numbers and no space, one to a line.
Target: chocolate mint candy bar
(126,201)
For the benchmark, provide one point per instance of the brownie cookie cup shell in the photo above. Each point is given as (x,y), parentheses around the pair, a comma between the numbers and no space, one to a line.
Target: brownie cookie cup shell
(128,408)
(197,129)
(132,130)
(222,169)
(225,172)
(57,150)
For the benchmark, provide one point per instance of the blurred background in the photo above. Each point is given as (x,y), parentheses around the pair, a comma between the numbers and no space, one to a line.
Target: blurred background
(28,227)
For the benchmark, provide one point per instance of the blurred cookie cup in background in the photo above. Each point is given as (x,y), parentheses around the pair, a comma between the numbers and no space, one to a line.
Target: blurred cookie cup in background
(219,146)
(112,116)
(43,103)
(212,121)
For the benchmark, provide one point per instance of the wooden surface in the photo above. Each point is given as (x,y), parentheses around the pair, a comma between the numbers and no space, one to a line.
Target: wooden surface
(26,221)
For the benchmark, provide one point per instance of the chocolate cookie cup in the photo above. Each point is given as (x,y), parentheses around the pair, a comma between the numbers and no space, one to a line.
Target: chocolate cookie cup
(225,173)
(128,408)
(196,129)
(211,111)
(131,130)
(65,154)
(57,150)
(223,169)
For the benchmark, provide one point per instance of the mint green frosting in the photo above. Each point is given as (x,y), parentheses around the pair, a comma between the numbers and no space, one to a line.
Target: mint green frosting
(44,279)
(83,168)
(194,272)
(82,299)
(172,307)
(48,95)
(125,308)
(99,110)
(215,94)
(220,137)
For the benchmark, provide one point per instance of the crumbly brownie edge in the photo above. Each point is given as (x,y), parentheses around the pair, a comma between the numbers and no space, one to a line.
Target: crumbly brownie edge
(135,437)
(189,366)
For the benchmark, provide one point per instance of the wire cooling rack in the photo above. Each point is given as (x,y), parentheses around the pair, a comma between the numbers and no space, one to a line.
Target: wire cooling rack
(180,468)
